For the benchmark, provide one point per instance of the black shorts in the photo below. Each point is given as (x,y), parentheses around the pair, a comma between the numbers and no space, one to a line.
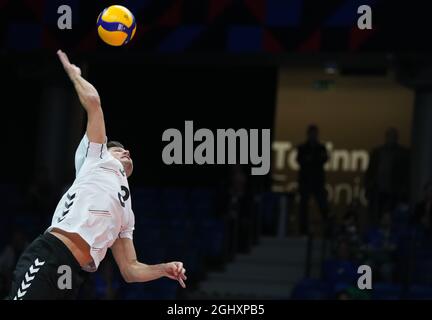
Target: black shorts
(47,270)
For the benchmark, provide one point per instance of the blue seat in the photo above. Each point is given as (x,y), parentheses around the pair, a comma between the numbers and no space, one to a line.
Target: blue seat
(28,222)
(152,253)
(311,289)
(386,291)
(401,216)
(340,271)
(193,262)
(177,231)
(202,203)
(161,289)
(422,271)
(146,201)
(424,251)
(268,210)
(419,292)
(200,212)
(210,236)
(131,291)
(174,202)
(148,230)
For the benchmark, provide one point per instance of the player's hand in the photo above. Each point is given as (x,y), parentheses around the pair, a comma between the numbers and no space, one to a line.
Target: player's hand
(72,70)
(175,271)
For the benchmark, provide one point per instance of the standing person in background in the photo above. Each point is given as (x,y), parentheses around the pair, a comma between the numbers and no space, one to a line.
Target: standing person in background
(387,176)
(311,157)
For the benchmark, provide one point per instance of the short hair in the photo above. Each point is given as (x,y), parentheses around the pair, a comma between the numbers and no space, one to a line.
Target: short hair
(114,144)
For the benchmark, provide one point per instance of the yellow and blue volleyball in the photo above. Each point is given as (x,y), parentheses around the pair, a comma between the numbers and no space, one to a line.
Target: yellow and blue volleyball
(116,25)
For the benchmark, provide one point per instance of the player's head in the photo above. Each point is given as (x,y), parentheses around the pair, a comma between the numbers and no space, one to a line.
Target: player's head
(119,152)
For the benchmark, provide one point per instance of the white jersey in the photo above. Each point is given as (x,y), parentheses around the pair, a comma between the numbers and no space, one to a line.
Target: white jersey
(98,204)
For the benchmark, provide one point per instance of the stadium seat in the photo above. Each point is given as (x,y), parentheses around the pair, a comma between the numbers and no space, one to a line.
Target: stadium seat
(161,289)
(174,202)
(146,201)
(210,237)
(339,271)
(202,203)
(268,210)
(311,289)
(386,291)
(419,292)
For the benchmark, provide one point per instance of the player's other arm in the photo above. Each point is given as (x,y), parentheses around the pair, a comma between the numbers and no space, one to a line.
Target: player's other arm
(89,99)
(133,271)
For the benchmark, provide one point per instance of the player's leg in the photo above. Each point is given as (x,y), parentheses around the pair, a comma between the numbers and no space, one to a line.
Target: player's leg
(46,270)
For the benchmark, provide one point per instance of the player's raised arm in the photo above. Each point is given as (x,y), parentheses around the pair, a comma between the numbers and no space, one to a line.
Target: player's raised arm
(89,98)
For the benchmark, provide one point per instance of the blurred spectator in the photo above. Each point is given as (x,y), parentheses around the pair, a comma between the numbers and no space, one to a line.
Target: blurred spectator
(311,157)
(349,231)
(423,209)
(8,259)
(380,248)
(420,248)
(340,270)
(387,176)
(422,222)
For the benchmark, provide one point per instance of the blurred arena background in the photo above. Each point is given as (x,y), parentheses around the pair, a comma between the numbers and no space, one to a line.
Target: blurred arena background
(276,64)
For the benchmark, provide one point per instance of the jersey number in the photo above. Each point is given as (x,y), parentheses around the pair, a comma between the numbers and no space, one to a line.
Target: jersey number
(123,198)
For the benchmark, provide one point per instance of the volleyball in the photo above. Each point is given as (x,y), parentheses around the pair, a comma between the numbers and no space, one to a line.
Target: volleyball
(116,25)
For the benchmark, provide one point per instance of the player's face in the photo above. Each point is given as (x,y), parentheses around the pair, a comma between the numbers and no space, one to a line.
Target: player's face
(124,157)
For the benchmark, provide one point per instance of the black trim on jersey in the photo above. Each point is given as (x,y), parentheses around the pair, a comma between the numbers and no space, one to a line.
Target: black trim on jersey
(88,147)
(101,151)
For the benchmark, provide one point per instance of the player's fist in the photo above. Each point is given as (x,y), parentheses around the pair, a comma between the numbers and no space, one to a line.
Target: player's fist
(175,271)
